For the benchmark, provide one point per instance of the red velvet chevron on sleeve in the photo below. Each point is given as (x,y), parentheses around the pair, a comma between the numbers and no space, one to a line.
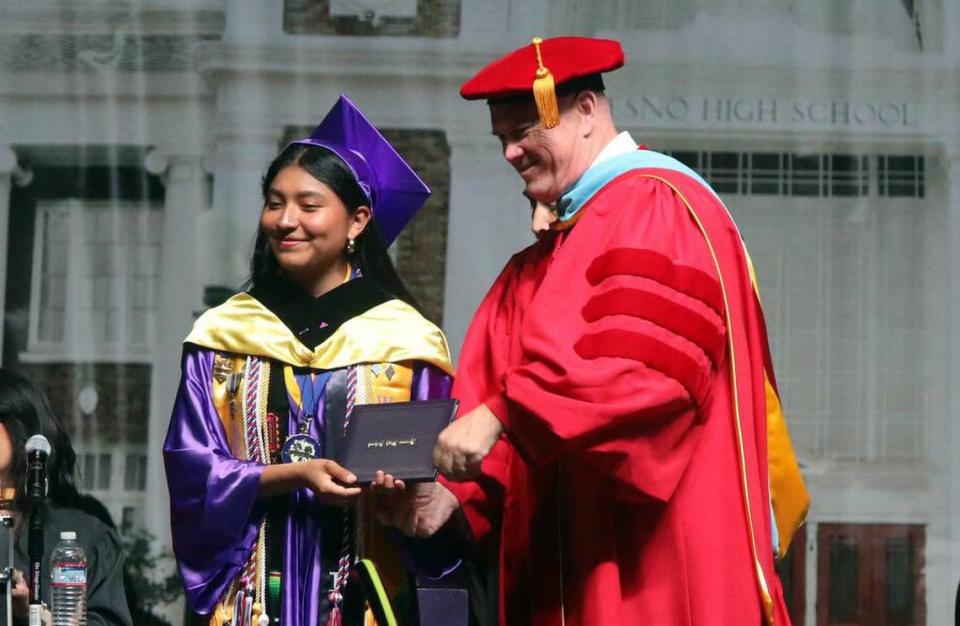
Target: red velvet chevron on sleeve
(616,352)
(684,337)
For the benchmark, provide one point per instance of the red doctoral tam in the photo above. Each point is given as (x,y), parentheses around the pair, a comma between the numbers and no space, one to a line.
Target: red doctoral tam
(539,68)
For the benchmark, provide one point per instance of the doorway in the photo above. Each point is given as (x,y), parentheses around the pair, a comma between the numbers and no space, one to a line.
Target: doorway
(870,574)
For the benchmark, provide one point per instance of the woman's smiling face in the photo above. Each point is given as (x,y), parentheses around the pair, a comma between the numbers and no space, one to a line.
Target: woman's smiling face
(307,226)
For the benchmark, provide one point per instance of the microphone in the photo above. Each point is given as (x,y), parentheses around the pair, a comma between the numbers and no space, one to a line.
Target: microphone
(38,450)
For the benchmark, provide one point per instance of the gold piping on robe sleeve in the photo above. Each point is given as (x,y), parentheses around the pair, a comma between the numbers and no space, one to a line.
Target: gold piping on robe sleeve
(761,576)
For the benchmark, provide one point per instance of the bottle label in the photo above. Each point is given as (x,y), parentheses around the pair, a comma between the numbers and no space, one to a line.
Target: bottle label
(69,574)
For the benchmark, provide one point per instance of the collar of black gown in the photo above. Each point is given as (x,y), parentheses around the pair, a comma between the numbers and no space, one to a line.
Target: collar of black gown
(313,320)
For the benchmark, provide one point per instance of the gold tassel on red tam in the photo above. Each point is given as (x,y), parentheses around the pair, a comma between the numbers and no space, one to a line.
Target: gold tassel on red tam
(544,91)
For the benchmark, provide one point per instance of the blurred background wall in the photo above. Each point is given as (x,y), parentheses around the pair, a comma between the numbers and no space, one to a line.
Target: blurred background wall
(133,135)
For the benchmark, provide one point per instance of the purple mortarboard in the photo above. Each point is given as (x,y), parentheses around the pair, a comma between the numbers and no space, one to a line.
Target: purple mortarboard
(393,188)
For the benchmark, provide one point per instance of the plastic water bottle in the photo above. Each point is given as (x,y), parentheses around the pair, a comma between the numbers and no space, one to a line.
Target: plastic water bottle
(68,585)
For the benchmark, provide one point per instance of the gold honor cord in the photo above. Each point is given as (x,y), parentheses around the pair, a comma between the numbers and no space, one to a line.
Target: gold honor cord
(260,585)
(741,458)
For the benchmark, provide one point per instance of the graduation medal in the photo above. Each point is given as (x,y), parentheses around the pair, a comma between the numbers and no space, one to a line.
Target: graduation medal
(300,447)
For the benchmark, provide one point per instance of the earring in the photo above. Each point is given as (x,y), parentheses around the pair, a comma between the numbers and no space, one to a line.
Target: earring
(351,246)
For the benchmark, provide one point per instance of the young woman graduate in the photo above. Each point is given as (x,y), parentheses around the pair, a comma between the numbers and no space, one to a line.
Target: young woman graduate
(270,378)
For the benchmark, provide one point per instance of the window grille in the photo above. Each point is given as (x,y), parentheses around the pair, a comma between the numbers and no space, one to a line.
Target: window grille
(95,272)
(848,175)
(901,176)
(844,303)
(94,470)
(822,175)
(116,476)
(135,472)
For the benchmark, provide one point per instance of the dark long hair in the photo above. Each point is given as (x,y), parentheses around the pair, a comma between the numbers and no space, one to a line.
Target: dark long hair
(371,254)
(24,411)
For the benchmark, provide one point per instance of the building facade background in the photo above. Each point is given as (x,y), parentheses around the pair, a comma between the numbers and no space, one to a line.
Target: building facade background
(133,135)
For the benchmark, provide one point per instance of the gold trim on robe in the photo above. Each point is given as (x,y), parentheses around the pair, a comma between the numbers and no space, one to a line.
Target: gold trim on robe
(788,492)
(390,332)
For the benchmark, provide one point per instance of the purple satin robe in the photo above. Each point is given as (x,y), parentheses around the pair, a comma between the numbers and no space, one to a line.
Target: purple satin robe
(214,509)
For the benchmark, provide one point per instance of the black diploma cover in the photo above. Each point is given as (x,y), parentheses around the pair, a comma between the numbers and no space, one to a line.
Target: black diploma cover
(396,437)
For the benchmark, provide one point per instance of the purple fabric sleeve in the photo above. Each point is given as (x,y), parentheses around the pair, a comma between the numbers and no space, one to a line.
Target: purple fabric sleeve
(212,494)
(430,383)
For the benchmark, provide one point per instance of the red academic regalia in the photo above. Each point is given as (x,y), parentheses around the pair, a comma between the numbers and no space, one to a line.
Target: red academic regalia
(616,495)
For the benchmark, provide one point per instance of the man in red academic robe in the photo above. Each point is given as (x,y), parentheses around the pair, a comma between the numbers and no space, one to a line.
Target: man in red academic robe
(615,383)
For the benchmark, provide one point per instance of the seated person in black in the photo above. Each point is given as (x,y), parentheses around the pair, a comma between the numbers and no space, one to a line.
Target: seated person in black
(24,411)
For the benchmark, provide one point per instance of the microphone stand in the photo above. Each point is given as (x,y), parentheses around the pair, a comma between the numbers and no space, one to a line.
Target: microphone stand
(37,481)
(6,570)
(35,551)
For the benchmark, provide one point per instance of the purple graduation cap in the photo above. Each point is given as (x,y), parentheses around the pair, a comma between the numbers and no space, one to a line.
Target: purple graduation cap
(394,190)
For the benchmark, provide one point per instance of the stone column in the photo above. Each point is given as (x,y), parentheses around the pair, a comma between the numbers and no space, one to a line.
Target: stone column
(178,296)
(507,24)
(482,20)
(489,221)
(253,20)
(8,161)
(949,28)
(242,154)
(942,588)
(10,172)
(940,215)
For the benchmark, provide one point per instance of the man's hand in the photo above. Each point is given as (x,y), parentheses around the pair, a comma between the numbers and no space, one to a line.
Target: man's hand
(19,596)
(418,510)
(463,444)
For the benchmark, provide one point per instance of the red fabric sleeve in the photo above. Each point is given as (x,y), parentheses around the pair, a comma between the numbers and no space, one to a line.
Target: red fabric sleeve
(483,363)
(621,343)
(481,501)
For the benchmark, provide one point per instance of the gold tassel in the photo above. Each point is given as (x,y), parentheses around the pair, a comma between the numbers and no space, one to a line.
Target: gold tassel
(544,91)
(221,616)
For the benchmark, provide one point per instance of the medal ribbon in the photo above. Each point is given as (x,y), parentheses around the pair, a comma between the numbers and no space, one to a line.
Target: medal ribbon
(309,384)
(300,445)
